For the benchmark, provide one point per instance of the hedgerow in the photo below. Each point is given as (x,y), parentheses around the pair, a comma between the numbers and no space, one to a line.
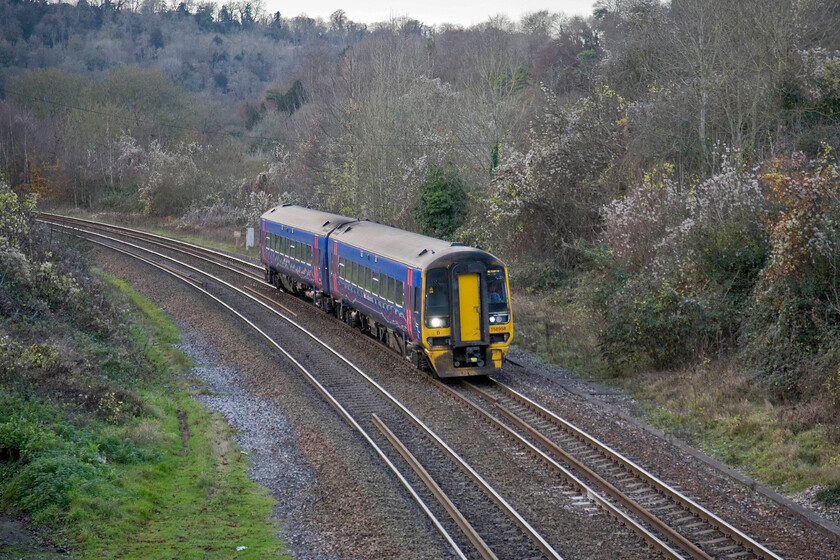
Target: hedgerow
(792,333)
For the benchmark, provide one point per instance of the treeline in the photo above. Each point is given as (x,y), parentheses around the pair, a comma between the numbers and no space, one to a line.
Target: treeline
(679,157)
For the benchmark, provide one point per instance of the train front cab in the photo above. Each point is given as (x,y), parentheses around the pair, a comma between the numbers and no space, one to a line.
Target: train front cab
(467,321)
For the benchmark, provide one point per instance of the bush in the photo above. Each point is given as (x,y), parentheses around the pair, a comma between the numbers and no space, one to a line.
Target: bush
(20,440)
(43,486)
(653,324)
(791,338)
(688,260)
(442,206)
(123,451)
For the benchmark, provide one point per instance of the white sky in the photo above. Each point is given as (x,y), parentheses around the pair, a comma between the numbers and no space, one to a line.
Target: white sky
(429,12)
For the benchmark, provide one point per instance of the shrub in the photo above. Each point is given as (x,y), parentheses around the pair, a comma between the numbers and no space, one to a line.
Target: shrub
(653,324)
(683,264)
(43,486)
(124,451)
(20,440)
(792,332)
(442,205)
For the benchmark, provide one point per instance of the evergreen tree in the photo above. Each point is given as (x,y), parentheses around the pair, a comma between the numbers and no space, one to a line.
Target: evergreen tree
(442,208)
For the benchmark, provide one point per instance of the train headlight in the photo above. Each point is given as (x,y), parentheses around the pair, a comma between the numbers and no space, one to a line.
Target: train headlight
(499,318)
(437,322)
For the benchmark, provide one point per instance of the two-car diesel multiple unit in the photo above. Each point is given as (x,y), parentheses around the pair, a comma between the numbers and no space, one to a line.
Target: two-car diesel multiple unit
(437,303)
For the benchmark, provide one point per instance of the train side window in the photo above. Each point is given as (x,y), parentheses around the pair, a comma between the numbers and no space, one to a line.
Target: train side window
(416,301)
(390,289)
(399,297)
(354,271)
(309,254)
(284,245)
(341,267)
(368,284)
(383,287)
(374,282)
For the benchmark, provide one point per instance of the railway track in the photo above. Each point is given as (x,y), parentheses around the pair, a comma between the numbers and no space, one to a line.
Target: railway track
(480,524)
(573,453)
(486,525)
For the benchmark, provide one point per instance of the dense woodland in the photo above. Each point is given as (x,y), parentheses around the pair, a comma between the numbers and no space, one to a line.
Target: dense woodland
(676,161)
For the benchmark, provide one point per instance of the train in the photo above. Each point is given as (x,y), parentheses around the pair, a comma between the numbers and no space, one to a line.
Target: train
(444,306)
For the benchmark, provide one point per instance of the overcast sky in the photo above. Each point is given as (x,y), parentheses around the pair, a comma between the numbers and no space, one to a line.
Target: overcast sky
(429,12)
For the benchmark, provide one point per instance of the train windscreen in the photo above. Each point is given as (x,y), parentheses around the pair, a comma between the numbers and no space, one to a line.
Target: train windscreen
(437,298)
(497,290)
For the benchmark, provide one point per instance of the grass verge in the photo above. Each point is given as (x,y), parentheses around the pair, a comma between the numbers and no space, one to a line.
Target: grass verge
(134,469)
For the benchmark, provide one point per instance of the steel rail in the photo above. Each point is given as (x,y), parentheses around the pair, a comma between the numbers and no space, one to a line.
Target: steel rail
(436,491)
(571,477)
(723,526)
(486,487)
(160,238)
(310,377)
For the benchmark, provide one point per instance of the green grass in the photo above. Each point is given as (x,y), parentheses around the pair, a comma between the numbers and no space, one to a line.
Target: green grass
(155,333)
(195,502)
(108,482)
(717,409)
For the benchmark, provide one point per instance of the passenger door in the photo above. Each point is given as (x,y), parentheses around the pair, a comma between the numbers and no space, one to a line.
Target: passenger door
(469,307)
(469,324)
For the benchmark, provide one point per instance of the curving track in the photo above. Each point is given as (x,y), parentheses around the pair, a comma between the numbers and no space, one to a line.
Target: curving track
(473,518)
(494,530)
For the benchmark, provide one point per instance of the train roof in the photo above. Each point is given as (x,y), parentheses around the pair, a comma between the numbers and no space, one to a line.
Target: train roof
(306,219)
(397,244)
(413,249)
